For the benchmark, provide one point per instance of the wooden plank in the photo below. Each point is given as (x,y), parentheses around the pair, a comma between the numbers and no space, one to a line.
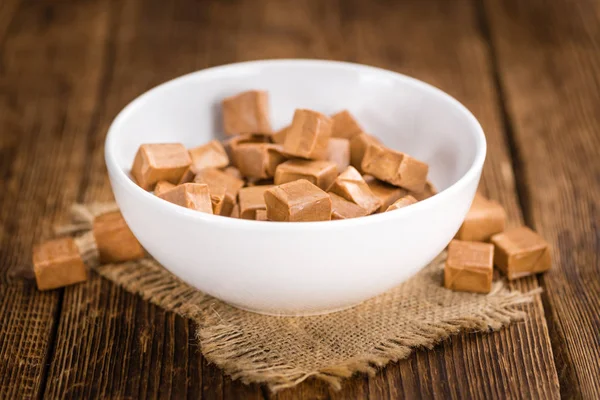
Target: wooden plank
(46,96)
(548,60)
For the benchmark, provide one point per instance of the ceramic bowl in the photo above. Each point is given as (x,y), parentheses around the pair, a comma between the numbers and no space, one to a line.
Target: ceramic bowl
(312,267)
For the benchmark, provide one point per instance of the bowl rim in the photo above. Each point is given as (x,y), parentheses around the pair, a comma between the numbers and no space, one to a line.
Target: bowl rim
(122,178)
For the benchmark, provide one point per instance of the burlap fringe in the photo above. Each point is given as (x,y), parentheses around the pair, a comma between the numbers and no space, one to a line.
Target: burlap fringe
(223,344)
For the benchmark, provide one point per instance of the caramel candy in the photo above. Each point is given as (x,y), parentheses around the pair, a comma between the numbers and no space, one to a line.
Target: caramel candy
(484,219)
(351,186)
(308,135)
(252,199)
(387,193)
(57,263)
(211,154)
(402,202)
(394,167)
(469,267)
(258,160)
(344,209)
(235,141)
(261,215)
(162,186)
(259,182)
(194,196)
(344,125)
(233,171)
(188,175)
(247,112)
(338,151)
(159,162)
(427,192)
(279,136)
(235,213)
(358,146)
(297,201)
(320,173)
(215,178)
(521,252)
(114,239)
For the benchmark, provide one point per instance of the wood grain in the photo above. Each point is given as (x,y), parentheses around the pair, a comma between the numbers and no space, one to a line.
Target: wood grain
(549,58)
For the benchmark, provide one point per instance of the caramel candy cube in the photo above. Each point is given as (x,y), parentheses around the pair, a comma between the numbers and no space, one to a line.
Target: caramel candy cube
(338,151)
(484,219)
(188,175)
(387,193)
(344,209)
(233,171)
(427,192)
(279,136)
(351,186)
(247,112)
(258,160)
(402,202)
(235,213)
(159,162)
(252,199)
(215,178)
(469,267)
(261,215)
(194,196)
(162,186)
(222,202)
(114,239)
(231,144)
(320,173)
(211,154)
(259,182)
(57,263)
(394,167)
(521,252)
(308,135)
(358,147)
(297,201)
(344,125)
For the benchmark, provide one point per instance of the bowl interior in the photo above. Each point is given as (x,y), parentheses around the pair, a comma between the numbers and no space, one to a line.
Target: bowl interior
(404,113)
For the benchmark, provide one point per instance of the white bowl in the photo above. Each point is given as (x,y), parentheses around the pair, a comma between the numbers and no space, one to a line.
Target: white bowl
(311,267)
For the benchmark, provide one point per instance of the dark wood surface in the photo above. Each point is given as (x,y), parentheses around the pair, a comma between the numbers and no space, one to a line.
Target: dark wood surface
(529,70)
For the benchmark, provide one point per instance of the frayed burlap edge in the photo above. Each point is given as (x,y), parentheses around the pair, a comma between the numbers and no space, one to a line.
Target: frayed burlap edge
(222,343)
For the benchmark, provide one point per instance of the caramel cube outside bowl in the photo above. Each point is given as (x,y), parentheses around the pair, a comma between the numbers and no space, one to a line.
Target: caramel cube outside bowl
(57,263)
(395,167)
(358,147)
(344,209)
(209,155)
(258,160)
(246,112)
(318,172)
(521,252)
(402,202)
(351,186)
(344,125)
(114,239)
(194,196)
(159,162)
(251,199)
(308,135)
(297,201)
(469,267)
(484,219)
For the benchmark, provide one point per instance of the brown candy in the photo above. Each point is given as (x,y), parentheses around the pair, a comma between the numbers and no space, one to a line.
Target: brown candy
(338,151)
(247,112)
(162,186)
(521,252)
(233,171)
(484,219)
(159,162)
(358,146)
(344,125)
(194,196)
(235,212)
(469,267)
(258,160)
(279,136)
(387,193)
(252,199)
(395,167)
(402,202)
(230,144)
(211,154)
(215,178)
(320,173)
(351,186)
(297,201)
(344,209)
(308,135)
(261,215)
(57,263)
(114,239)
(426,193)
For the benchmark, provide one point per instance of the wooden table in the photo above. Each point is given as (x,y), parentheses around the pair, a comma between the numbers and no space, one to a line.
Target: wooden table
(529,70)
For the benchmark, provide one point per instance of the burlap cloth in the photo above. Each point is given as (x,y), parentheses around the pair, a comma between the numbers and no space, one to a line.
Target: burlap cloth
(283,351)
